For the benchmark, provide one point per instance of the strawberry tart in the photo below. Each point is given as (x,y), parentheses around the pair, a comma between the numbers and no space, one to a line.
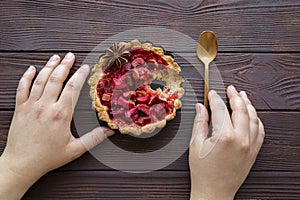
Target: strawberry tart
(122,92)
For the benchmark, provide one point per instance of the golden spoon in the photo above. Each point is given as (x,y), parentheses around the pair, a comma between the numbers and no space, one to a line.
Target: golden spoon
(207,49)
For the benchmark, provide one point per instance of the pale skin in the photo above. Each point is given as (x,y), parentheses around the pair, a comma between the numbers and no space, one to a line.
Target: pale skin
(40,138)
(236,142)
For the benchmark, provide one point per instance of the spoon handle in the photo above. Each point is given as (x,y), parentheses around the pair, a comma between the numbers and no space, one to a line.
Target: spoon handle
(206,85)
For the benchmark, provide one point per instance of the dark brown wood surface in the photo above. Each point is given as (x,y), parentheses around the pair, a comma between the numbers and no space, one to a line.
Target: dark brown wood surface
(259,52)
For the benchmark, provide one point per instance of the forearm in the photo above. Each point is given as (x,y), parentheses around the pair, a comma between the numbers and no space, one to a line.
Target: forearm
(12,184)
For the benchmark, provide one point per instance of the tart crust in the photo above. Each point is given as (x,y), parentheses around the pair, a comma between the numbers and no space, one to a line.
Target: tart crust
(173,82)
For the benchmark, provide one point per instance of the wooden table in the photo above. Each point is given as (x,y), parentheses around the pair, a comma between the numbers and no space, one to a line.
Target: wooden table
(259,52)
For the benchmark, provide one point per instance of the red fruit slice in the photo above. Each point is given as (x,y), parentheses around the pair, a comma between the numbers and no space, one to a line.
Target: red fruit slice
(106,97)
(143,99)
(119,84)
(143,74)
(140,93)
(118,111)
(135,117)
(137,62)
(168,108)
(128,94)
(100,85)
(143,108)
(150,91)
(131,105)
(158,110)
(155,99)
(126,66)
(143,121)
(172,96)
(135,74)
(132,111)
(123,102)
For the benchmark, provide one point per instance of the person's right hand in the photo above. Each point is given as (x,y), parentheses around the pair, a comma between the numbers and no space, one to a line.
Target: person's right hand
(220,164)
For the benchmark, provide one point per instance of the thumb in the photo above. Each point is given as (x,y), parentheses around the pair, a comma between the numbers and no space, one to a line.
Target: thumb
(91,139)
(200,128)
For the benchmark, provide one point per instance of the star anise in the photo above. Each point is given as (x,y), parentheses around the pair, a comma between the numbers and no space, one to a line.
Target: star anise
(117,54)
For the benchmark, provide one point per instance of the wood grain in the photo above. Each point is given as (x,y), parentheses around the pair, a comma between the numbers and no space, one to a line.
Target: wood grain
(245,26)
(272,81)
(280,151)
(156,185)
(259,52)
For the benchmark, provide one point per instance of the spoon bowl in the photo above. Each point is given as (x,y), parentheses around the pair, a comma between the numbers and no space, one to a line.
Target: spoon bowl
(207,49)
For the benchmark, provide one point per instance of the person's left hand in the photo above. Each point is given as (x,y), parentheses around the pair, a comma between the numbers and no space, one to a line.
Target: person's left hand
(40,138)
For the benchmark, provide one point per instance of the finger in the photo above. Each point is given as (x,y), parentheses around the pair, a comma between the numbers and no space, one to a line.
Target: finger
(24,85)
(42,78)
(253,118)
(220,115)
(57,78)
(200,128)
(239,116)
(261,133)
(91,139)
(71,92)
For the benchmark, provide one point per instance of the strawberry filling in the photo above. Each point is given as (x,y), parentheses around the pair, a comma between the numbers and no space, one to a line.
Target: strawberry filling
(127,94)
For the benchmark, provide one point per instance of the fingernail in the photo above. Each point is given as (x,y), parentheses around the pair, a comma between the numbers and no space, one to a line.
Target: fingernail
(244,94)
(69,56)
(85,67)
(108,132)
(30,68)
(212,91)
(54,58)
(198,108)
(232,88)
(210,94)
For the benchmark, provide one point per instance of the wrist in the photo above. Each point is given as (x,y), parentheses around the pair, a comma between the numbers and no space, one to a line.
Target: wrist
(212,196)
(205,193)
(13,184)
